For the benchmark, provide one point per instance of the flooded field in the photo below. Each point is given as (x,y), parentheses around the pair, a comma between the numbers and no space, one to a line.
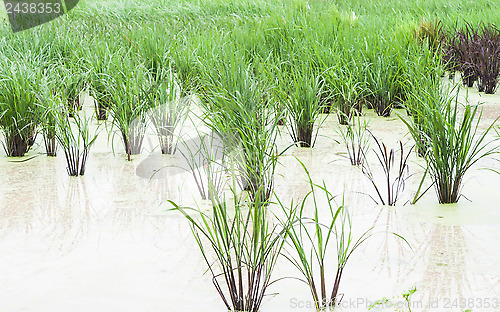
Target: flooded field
(106,242)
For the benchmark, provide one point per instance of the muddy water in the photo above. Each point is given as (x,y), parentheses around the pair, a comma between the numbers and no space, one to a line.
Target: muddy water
(103,242)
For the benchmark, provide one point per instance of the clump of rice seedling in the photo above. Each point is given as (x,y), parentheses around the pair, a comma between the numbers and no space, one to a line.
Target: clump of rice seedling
(18,107)
(102,63)
(449,59)
(152,44)
(393,186)
(75,138)
(382,75)
(453,144)
(235,110)
(245,245)
(345,81)
(384,59)
(128,107)
(48,98)
(72,85)
(206,160)
(431,33)
(423,85)
(49,134)
(462,45)
(477,51)
(488,58)
(356,141)
(272,74)
(303,103)
(167,110)
(310,238)
(186,70)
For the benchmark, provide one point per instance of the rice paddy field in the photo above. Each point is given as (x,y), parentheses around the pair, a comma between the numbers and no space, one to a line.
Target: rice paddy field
(252,155)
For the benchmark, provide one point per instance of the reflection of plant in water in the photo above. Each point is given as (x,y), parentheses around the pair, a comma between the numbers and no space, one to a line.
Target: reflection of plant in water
(403,303)
(387,218)
(445,252)
(65,222)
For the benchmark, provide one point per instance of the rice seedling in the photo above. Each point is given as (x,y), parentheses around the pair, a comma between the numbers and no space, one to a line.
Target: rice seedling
(49,134)
(463,48)
(240,249)
(48,100)
(72,85)
(303,103)
(488,58)
(102,64)
(450,61)
(129,104)
(453,144)
(345,81)
(422,85)
(207,162)
(186,71)
(257,157)
(74,137)
(272,73)
(356,141)
(235,110)
(382,75)
(152,45)
(167,111)
(310,238)
(18,106)
(431,33)
(392,185)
